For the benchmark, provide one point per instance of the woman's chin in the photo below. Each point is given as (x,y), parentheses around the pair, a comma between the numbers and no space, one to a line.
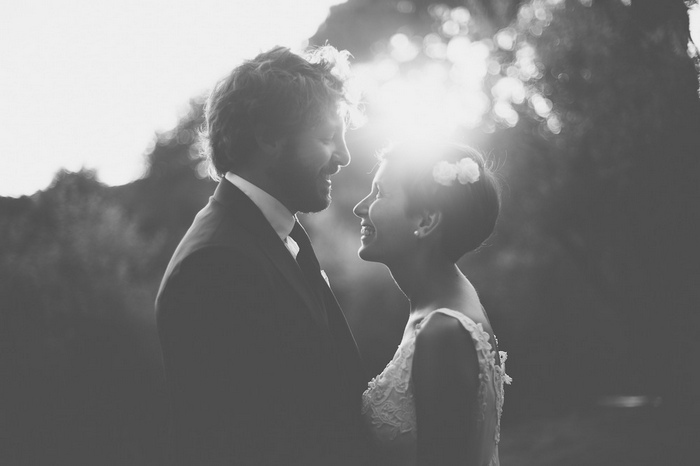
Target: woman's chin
(361,253)
(365,255)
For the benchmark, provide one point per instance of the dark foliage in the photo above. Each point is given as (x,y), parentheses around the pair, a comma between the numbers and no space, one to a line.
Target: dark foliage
(591,278)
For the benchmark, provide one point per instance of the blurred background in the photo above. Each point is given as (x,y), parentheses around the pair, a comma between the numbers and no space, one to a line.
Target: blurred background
(588,111)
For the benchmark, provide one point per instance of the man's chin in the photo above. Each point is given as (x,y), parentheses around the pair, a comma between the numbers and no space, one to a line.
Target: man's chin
(314,200)
(317,204)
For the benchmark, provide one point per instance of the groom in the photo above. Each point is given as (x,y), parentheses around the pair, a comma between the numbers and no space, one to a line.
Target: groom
(260,363)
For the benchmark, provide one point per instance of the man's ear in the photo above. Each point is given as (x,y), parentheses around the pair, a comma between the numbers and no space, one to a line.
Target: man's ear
(428,223)
(269,143)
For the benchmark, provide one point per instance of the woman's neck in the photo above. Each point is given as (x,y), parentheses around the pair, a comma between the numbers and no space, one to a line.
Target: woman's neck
(431,285)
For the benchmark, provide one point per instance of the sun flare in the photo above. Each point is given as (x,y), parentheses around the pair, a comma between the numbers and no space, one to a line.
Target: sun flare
(429,99)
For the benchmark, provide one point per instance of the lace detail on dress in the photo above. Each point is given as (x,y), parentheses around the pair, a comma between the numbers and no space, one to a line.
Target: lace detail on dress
(389,396)
(500,372)
(388,403)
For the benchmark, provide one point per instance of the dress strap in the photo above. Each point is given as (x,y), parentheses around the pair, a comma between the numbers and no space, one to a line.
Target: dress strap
(479,335)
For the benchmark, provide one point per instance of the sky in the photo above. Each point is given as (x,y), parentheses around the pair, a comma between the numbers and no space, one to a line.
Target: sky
(88,83)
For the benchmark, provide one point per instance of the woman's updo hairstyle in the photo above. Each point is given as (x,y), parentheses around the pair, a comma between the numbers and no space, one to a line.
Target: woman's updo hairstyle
(469,209)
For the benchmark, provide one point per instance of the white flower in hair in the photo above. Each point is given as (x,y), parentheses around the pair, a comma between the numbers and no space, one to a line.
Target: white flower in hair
(444,173)
(465,171)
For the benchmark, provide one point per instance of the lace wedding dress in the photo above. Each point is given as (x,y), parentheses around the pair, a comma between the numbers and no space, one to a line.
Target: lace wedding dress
(389,410)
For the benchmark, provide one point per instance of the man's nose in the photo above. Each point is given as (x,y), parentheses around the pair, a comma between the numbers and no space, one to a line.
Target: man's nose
(342,154)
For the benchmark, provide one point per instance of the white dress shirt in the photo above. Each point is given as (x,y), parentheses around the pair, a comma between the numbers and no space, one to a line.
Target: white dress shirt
(280,218)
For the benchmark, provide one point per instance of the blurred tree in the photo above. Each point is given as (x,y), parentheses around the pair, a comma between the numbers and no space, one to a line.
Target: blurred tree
(80,264)
(589,109)
(175,186)
(360,25)
(592,116)
(73,276)
(621,176)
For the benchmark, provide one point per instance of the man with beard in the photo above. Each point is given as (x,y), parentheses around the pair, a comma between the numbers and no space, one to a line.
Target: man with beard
(260,363)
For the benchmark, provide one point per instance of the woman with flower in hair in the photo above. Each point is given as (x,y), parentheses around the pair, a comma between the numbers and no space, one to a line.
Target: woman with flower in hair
(439,400)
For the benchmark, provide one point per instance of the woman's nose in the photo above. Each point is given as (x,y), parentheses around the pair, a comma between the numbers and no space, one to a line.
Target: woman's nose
(360,210)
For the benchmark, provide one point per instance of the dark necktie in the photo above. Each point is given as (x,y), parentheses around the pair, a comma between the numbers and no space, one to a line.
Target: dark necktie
(306,258)
(346,354)
(308,263)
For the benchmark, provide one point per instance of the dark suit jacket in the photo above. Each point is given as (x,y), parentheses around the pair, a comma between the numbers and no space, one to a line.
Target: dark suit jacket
(260,363)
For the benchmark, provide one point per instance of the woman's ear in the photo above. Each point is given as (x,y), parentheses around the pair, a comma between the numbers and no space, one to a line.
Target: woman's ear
(428,223)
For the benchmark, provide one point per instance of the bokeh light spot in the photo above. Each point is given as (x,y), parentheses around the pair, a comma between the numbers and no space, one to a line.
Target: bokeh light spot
(506,113)
(554,124)
(461,15)
(434,47)
(505,38)
(509,89)
(402,48)
(450,27)
(405,6)
(541,105)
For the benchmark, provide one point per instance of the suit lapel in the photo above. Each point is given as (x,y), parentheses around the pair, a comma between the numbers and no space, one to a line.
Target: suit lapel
(321,304)
(261,232)
(348,353)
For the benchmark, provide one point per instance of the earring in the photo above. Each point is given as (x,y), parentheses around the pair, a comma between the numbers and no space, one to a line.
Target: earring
(415,233)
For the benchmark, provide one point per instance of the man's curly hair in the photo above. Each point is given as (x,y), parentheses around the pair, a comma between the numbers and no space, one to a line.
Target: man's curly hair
(278,93)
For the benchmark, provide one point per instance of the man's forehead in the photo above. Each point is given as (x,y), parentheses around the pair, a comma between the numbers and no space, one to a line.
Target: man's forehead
(331,120)
(380,176)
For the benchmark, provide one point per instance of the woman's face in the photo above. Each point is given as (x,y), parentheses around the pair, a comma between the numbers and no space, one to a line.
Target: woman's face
(387,231)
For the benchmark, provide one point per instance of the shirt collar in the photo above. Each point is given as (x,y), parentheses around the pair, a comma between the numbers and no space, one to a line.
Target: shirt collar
(281,219)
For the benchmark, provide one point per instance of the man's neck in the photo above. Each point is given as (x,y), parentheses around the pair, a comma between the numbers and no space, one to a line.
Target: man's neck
(276,213)
(259,179)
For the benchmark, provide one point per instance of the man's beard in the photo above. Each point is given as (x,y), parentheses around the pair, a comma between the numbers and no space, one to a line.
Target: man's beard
(301,185)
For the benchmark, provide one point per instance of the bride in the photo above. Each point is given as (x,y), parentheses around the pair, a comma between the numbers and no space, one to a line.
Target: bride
(439,400)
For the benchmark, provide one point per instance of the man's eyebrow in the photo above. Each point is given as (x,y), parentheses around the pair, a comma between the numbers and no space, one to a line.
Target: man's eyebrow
(336,121)
(330,125)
